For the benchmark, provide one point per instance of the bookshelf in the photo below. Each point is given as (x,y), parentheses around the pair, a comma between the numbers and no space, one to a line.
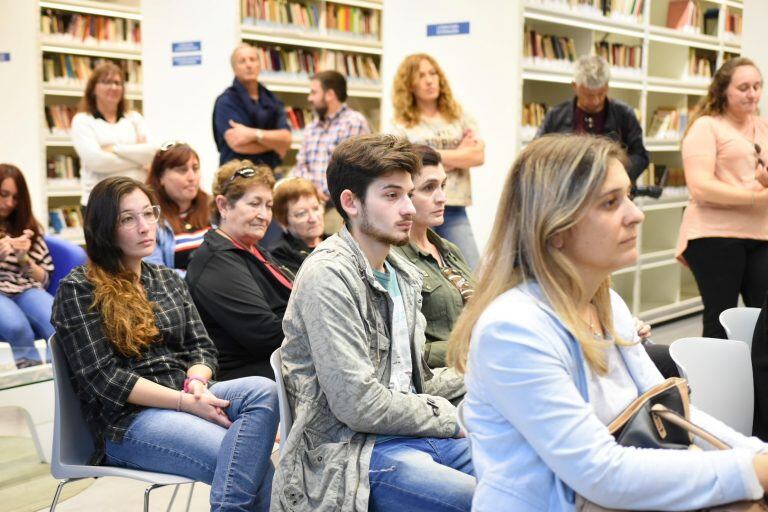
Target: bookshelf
(76,35)
(669,76)
(344,35)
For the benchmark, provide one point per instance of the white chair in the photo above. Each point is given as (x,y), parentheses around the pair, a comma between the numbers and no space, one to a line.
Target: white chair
(460,416)
(739,323)
(719,373)
(73,444)
(286,421)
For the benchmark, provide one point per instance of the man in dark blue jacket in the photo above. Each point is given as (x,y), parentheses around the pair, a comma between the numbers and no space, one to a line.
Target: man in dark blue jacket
(592,111)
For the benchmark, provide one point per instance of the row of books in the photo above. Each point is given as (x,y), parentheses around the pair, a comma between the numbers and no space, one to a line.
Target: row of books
(65,217)
(621,9)
(58,67)
(311,15)
(90,29)
(620,55)
(536,45)
(689,16)
(733,22)
(298,117)
(654,173)
(667,123)
(533,114)
(306,62)
(59,118)
(701,65)
(63,167)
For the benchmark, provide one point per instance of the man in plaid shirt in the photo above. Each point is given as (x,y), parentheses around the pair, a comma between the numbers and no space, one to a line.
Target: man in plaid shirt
(335,122)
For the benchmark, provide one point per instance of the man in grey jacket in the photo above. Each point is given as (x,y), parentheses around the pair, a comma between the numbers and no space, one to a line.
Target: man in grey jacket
(372,423)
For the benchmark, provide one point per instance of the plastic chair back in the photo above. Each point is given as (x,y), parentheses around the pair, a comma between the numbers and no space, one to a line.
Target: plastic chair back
(72,441)
(739,323)
(286,421)
(66,256)
(719,373)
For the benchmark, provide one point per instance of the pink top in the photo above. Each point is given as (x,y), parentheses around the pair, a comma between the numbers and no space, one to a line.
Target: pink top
(735,163)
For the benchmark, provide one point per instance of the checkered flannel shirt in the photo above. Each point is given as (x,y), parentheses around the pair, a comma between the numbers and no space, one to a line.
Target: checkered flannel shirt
(320,139)
(102,377)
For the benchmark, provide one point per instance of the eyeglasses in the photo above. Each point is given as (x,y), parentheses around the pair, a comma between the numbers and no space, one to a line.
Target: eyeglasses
(130,220)
(165,146)
(465,287)
(760,161)
(116,83)
(245,172)
(303,215)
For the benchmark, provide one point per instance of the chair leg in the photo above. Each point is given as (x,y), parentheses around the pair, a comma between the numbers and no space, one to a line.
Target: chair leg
(56,496)
(189,498)
(146,495)
(173,497)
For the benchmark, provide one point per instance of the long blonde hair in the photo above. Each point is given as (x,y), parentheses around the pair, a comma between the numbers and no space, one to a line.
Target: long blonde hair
(406,110)
(551,184)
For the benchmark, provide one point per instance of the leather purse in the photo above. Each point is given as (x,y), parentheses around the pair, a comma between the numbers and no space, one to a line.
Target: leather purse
(659,418)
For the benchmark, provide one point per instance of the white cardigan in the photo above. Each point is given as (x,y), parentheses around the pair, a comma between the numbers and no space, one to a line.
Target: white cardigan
(131,153)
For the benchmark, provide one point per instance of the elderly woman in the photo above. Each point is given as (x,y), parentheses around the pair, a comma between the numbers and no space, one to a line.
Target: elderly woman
(175,179)
(298,210)
(240,293)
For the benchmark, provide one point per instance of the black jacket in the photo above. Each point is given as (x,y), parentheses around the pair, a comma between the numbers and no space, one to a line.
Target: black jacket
(241,304)
(621,125)
(290,251)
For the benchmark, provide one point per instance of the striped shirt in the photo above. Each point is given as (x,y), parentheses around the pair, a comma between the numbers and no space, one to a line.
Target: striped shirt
(320,139)
(186,243)
(14,279)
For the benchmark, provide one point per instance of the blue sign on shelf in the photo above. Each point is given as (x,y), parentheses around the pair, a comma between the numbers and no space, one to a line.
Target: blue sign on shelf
(187,60)
(186,46)
(448,29)
(5,56)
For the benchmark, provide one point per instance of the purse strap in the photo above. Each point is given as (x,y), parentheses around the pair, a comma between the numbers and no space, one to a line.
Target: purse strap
(671,416)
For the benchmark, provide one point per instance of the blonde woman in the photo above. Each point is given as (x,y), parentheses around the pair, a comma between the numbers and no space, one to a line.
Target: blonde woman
(426,113)
(547,366)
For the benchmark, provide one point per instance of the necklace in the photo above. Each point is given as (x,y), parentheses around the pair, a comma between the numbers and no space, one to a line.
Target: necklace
(597,332)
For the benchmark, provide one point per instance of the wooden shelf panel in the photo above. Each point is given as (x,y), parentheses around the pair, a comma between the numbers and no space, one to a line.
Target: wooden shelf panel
(111,9)
(310,38)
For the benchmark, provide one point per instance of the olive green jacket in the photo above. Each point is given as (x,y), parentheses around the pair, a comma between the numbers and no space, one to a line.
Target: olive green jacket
(336,369)
(442,302)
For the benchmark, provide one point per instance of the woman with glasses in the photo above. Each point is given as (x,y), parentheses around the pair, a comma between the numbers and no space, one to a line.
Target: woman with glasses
(174,176)
(25,266)
(108,138)
(298,209)
(240,293)
(142,363)
(448,281)
(550,361)
(724,234)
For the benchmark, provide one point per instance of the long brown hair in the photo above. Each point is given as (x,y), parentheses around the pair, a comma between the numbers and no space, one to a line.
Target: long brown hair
(550,186)
(177,156)
(21,217)
(126,313)
(403,99)
(716,102)
(88,101)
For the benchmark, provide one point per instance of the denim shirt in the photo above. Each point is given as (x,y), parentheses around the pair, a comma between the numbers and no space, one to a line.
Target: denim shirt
(536,440)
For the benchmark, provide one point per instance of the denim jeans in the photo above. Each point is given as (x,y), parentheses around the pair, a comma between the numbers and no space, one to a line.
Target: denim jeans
(234,461)
(457,229)
(24,318)
(421,473)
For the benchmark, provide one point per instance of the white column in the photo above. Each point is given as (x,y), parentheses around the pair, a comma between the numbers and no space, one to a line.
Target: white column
(753,44)
(483,70)
(21,101)
(178,100)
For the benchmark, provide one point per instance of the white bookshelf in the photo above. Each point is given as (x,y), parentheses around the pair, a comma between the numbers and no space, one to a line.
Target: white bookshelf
(59,192)
(657,287)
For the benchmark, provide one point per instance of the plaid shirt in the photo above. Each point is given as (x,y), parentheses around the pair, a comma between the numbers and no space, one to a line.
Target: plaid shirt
(320,139)
(102,377)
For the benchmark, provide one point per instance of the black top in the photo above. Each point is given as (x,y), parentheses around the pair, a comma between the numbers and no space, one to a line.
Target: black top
(290,252)
(102,377)
(760,374)
(621,125)
(241,304)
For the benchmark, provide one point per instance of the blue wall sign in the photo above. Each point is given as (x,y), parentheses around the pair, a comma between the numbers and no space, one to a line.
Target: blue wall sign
(186,46)
(448,29)
(187,60)
(5,56)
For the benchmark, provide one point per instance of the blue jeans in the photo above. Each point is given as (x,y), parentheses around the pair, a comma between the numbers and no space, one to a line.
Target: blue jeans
(421,473)
(24,318)
(457,229)
(234,461)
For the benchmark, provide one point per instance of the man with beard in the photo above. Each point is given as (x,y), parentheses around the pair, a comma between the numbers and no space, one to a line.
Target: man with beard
(373,425)
(335,122)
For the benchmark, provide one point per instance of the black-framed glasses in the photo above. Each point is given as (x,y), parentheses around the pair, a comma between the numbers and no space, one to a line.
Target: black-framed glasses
(760,161)
(245,172)
(165,146)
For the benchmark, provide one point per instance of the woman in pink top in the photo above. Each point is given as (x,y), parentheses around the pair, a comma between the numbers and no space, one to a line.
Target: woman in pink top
(724,234)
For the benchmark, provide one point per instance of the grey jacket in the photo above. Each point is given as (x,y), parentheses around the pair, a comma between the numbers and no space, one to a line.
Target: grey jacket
(336,367)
